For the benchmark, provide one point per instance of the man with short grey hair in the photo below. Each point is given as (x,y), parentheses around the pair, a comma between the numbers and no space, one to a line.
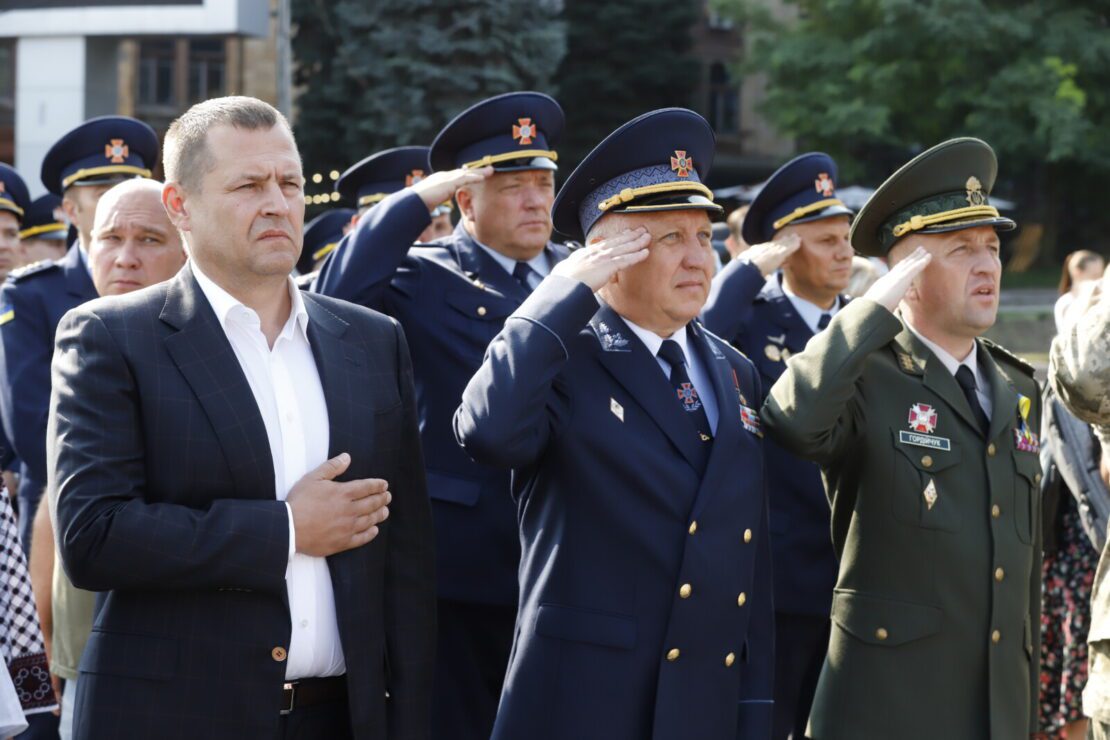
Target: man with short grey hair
(225,448)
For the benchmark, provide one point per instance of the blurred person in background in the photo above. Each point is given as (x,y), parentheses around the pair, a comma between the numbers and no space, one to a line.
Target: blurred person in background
(735,243)
(1081,266)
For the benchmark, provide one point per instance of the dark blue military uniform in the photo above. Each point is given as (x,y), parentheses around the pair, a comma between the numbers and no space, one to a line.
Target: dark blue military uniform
(646,604)
(14,199)
(41,220)
(321,236)
(34,299)
(759,319)
(452,297)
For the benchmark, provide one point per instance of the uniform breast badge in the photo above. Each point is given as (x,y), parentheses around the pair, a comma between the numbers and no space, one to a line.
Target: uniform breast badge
(612,341)
(749,417)
(922,422)
(616,408)
(1025,439)
(930,494)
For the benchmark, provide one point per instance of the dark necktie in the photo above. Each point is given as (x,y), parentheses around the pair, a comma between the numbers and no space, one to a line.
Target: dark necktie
(521,273)
(967,383)
(823,322)
(684,388)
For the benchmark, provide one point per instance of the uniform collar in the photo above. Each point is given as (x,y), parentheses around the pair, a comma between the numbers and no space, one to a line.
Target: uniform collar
(809,312)
(951,363)
(538,263)
(653,341)
(227,307)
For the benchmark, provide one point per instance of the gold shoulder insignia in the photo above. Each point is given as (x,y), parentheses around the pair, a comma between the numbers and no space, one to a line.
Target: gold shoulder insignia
(31,269)
(1007,356)
(906,363)
(7,316)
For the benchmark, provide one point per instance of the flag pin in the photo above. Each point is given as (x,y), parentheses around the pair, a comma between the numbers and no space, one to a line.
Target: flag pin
(616,408)
(930,494)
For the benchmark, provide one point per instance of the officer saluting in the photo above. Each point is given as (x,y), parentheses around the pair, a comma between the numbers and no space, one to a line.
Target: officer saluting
(452,297)
(80,167)
(637,465)
(321,236)
(15,202)
(796,220)
(928,438)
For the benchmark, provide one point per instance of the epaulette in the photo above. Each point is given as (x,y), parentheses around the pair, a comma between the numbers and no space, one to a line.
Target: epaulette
(1002,353)
(32,269)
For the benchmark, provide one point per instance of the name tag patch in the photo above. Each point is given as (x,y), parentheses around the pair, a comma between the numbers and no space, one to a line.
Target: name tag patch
(925,440)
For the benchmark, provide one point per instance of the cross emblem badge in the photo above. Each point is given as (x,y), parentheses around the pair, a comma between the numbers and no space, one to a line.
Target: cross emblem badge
(824,184)
(682,164)
(923,418)
(116,151)
(524,132)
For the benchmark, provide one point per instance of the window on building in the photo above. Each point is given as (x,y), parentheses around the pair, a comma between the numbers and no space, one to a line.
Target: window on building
(157,81)
(207,69)
(724,100)
(7,100)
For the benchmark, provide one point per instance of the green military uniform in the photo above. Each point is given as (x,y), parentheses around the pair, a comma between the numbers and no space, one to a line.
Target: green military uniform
(936,611)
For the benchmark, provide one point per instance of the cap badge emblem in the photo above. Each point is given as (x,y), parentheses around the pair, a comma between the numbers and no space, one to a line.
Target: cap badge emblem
(525,132)
(681,163)
(824,184)
(975,194)
(116,151)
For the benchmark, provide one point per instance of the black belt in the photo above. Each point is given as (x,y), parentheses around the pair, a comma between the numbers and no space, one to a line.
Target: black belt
(308,692)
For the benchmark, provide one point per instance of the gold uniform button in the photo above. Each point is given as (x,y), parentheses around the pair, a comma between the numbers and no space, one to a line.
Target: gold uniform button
(747,535)
(996,637)
(693,527)
(1037,478)
(686,590)
(999,574)
(730,659)
(927,461)
(996,511)
(741,599)
(278,654)
(672,655)
(481,310)
(991,449)
(881,634)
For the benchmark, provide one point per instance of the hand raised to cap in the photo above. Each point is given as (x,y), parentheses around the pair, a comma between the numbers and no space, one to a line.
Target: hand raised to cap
(889,290)
(597,262)
(439,187)
(770,256)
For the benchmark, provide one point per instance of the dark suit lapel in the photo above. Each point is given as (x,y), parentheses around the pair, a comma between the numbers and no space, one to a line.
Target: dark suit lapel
(78,281)
(1004,397)
(204,356)
(729,426)
(478,265)
(936,376)
(342,366)
(626,358)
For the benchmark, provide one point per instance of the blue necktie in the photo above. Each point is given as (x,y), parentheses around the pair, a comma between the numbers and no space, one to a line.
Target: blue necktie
(823,322)
(521,273)
(684,388)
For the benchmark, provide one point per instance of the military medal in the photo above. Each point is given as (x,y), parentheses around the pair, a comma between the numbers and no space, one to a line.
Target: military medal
(1024,438)
(774,354)
(922,421)
(930,494)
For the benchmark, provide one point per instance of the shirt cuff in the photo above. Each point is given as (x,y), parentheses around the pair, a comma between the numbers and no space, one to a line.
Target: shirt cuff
(292,541)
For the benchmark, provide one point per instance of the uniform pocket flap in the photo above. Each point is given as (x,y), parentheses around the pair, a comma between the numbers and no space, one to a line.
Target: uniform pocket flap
(927,453)
(1028,466)
(583,625)
(130,655)
(479,304)
(456,490)
(879,621)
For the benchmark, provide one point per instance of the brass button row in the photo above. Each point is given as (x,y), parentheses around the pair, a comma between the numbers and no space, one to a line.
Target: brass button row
(481,310)
(927,461)
(747,536)
(996,637)
(999,574)
(881,634)
(996,511)
(674,653)
(991,449)
(686,590)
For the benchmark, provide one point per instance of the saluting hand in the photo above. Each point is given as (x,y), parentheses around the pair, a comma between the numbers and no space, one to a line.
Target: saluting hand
(597,263)
(440,187)
(330,517)
(889,290)
(770,256)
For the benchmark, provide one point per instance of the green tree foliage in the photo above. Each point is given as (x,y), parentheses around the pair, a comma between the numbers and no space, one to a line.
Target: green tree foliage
(872,81)
(374,74)
(623,58)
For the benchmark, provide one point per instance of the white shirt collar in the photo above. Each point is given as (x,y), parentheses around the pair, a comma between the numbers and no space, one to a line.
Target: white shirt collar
(948,360)
(809,311)
(653,341)
(537,263)
(229,308)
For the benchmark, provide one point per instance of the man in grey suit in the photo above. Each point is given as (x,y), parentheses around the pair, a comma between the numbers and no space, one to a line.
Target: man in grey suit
(223,448)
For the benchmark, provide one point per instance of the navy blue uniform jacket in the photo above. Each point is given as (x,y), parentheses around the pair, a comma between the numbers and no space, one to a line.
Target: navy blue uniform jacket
(452,299)
(757,318)
(646,606)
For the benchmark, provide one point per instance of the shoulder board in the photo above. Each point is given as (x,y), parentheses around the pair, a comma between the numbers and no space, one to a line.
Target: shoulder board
(32,269)
(1007,356)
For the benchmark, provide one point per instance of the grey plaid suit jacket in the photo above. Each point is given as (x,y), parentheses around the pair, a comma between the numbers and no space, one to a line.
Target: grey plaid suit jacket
(164,488)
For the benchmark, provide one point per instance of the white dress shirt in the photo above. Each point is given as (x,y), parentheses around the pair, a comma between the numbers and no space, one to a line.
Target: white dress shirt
(810,312)
(286,386)
(698,374)
(539,263)
(982,385)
